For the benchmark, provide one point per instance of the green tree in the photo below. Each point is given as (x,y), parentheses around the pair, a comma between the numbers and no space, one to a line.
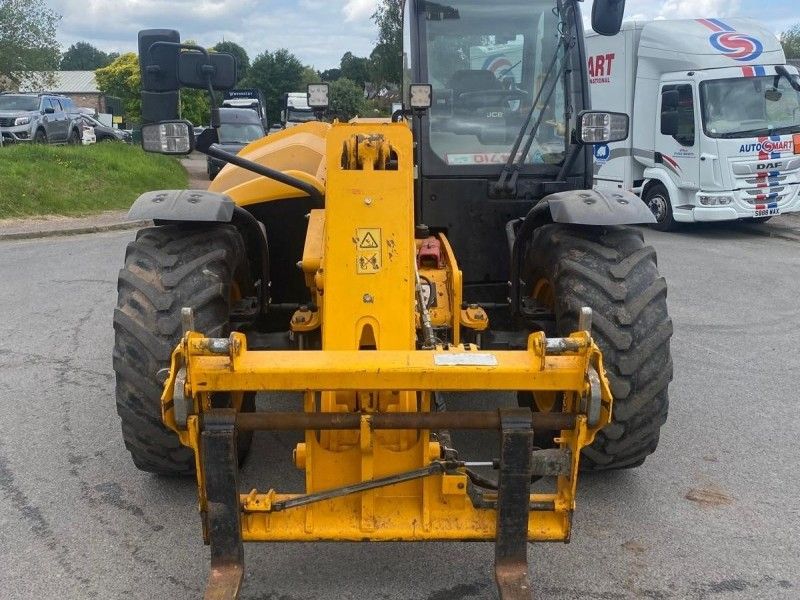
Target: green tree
(275,73)
(330,74)
(387,58)
(347,99)
(242,59)
(82,56)
(309,76)
(27,37)
(355,68)
(790,40)
(122,79)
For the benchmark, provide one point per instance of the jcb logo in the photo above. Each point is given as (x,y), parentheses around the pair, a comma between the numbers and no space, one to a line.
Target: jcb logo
(495,115)
(767,166)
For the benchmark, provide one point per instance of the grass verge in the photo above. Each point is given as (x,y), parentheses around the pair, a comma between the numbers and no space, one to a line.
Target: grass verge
(79,180)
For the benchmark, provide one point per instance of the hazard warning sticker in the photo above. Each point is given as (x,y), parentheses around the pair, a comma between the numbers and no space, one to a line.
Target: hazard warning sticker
(368,251)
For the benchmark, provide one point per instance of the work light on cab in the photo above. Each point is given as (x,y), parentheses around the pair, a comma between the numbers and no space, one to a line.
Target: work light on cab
(596,127)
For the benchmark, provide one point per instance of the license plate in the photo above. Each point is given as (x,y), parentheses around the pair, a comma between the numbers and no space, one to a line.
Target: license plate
(767,212)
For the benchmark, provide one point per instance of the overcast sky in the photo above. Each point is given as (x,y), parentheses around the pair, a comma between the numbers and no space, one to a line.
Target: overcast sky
(320,31)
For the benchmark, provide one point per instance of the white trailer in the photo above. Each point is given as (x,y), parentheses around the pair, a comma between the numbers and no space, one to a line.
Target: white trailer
(715,118)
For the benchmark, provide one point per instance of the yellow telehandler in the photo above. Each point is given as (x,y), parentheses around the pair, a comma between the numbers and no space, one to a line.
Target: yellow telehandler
(378,265)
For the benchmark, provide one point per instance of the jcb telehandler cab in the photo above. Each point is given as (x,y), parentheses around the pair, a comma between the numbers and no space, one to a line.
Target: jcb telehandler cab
(374,267)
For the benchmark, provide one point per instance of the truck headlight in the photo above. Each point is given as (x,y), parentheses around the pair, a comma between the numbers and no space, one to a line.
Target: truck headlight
(707,200)
(21,121)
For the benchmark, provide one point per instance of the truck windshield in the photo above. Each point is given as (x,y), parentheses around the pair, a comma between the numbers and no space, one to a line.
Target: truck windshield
(751,106)
(300,116)
(11,102)
(486,62)
(239,133)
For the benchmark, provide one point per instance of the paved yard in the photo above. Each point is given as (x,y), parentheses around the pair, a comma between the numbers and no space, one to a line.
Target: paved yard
(713,515)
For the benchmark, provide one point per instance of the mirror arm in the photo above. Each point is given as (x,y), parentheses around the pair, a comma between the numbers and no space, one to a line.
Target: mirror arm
(792,79)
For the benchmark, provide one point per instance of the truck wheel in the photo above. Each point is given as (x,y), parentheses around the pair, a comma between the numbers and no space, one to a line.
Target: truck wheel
(657,200)
(168,268)
(40,137)
(610,270)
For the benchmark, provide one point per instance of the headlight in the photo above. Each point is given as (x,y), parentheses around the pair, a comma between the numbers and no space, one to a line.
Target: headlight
(706,200)
(22,121)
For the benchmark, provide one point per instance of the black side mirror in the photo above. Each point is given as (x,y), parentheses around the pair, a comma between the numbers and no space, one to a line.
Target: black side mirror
(669,123)
(158,59)
(194,68)
(607,16)
(49,110)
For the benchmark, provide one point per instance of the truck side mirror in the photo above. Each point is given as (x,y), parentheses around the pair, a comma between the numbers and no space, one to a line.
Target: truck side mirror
(607,16)
(669,122)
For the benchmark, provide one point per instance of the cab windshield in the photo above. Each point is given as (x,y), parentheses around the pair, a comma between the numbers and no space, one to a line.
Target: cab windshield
(751,106)
(239,133)
(486,62)
(300,116)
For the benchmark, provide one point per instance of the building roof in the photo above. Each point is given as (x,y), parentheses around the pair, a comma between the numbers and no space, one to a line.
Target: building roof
(60,82)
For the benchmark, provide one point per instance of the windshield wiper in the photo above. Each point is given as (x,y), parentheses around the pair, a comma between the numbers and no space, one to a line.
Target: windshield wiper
(507,182)
(785,129)
(761,131)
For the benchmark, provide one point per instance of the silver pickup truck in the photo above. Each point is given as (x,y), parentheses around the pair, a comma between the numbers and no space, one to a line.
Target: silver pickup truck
(39,118)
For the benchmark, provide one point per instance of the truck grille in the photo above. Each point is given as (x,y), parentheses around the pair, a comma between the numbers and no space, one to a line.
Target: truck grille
(7,121)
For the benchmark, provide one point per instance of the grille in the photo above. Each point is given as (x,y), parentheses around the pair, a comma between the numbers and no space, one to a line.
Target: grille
(7,121)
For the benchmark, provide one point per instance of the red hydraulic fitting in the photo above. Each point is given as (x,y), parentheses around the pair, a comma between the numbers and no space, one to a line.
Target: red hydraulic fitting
(430,254)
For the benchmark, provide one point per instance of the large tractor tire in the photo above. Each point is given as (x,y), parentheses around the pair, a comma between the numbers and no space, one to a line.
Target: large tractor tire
(610,270)
(167,268)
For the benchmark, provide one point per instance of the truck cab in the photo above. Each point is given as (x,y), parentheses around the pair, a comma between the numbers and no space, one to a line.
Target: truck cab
(296,109)
(716,119)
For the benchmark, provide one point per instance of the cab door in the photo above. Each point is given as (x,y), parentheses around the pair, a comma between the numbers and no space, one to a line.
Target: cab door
(676,140)
(62,119)
(50,120)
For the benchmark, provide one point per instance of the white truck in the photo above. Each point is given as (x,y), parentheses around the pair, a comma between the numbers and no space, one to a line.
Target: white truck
(296,109)
(715,119)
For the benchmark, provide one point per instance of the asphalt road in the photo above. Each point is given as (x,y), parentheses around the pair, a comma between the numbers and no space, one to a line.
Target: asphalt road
(713,515)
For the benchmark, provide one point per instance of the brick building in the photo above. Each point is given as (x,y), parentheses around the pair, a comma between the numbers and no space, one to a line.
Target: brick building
(80,86)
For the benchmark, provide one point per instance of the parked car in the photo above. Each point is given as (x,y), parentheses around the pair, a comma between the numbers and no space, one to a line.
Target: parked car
(105,133)
(39,118)
(238,127)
